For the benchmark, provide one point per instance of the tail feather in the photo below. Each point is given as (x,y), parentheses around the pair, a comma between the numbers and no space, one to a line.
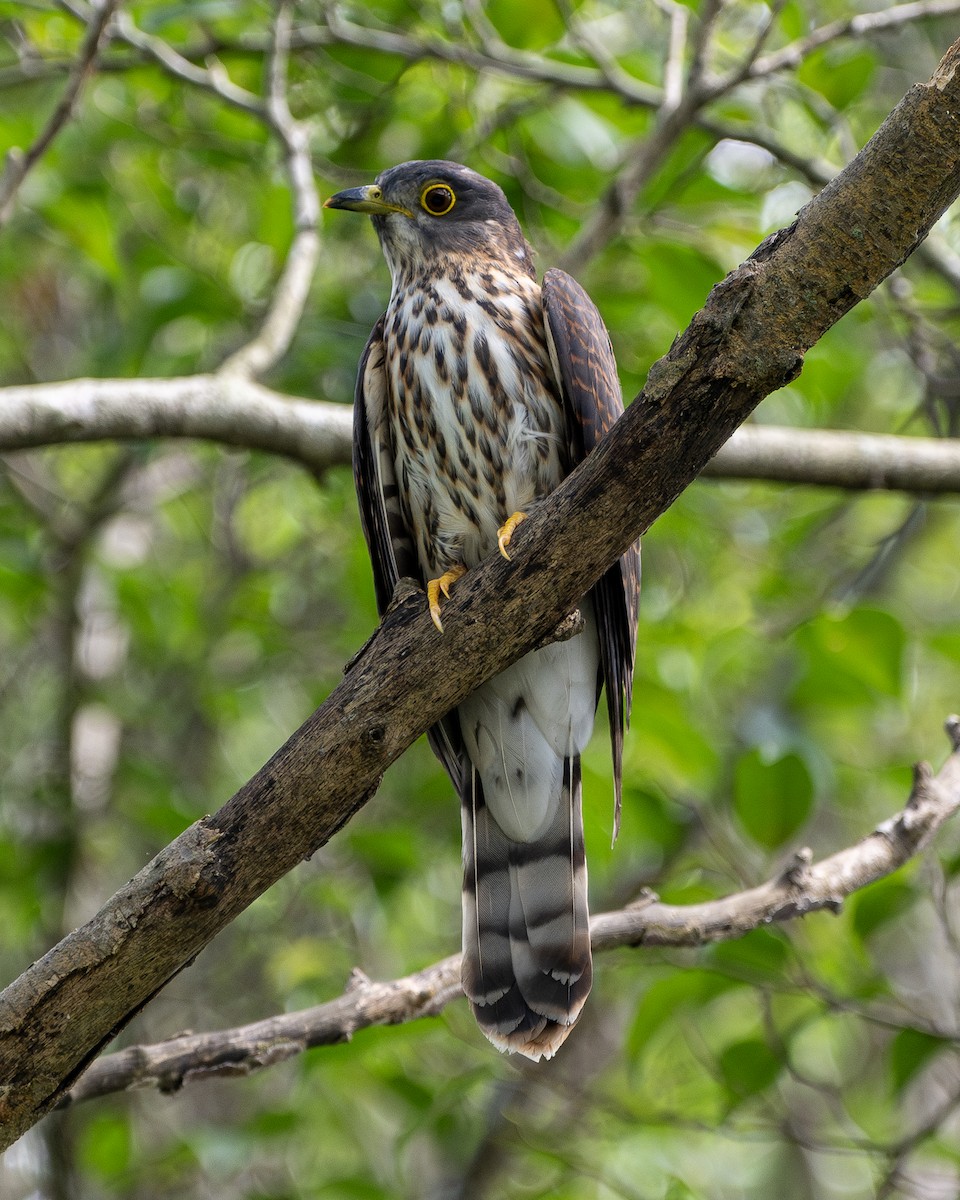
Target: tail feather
(526,938)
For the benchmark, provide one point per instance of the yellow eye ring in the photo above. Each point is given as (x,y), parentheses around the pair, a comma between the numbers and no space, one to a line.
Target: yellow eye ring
(437,199)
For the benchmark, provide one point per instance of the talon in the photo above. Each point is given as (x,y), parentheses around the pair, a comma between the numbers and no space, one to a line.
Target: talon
(505,532)
(443,584)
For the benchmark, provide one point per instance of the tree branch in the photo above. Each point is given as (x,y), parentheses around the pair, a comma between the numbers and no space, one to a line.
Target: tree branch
(220,408)
(19,163)
(214,80)
(803,887)
(317,433)
(857,26)
(748,339)
(496,57)
(293,288)
(833,458)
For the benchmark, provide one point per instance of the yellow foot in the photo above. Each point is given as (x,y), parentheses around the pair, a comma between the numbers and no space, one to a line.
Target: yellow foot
(505,532)
(443,584)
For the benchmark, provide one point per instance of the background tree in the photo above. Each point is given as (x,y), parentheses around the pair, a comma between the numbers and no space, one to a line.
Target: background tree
(171,610)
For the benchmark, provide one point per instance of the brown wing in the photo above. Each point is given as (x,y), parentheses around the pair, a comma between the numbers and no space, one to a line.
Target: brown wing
(587,374)
(392,554)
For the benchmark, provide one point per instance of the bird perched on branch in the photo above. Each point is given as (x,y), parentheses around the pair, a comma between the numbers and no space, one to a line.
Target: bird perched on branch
(478,391)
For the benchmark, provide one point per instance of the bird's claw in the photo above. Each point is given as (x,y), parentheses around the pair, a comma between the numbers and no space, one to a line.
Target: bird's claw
(442,584)
(505,532)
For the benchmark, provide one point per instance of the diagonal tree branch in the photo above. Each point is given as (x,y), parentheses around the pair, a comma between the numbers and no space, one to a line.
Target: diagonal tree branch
(896,17)
(19,163)
(803,887)
(749,338)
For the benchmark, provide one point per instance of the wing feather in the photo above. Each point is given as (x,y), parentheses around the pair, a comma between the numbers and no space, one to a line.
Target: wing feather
(392,552)
(586,372)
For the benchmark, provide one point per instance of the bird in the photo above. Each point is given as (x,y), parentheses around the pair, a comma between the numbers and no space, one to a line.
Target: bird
(478,391)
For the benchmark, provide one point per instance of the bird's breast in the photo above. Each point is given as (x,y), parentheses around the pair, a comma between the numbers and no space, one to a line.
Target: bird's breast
(475,420)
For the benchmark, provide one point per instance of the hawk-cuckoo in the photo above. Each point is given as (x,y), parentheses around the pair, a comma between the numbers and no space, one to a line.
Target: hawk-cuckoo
(478,391)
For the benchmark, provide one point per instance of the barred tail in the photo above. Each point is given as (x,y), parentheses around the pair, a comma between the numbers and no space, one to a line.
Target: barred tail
(527,966)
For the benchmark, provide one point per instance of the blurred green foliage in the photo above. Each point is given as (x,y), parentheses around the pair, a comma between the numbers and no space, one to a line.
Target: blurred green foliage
(170,612)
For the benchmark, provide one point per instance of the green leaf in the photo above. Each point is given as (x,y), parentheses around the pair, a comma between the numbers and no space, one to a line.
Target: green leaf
(105,1145)
(772,799)
(841,73)
(683,989)
(762,954)
(533,23)
(880,903)
(853,658)
(794,20)
(748,1066)
(909,1051)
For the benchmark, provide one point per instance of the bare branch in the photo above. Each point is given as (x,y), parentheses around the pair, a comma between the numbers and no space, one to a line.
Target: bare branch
(18,163)
(793,55)
(749,338)
(168,1065)
(677,112)
(802,887)
(830,458)
(213,79)
(500,59)
(220,408)
(673,68)
(317,433)
(293,287)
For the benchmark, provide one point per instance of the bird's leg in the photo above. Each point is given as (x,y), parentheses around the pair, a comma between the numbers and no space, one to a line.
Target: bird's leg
(443,584)
(505,532)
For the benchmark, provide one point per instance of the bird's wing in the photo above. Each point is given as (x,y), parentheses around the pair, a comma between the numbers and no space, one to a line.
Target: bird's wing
(373,471)
(586,372)
(392,552)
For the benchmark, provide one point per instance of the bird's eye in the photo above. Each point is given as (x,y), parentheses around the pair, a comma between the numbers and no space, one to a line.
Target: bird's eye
(437,199)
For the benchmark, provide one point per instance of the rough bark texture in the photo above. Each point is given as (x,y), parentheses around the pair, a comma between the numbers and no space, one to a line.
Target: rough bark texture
(749,339)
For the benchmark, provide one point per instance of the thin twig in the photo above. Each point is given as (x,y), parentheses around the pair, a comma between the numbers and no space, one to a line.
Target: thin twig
(894,1176)
(684,107)
(793,55)
(643,158)
(293,287)
(673,69)
(19,163)
(212,78)
(505,61)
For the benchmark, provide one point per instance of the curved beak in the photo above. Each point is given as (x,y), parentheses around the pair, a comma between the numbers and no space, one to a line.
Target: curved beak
(367,199)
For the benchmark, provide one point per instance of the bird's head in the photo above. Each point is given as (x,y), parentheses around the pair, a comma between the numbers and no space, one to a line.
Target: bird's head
(431,213)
